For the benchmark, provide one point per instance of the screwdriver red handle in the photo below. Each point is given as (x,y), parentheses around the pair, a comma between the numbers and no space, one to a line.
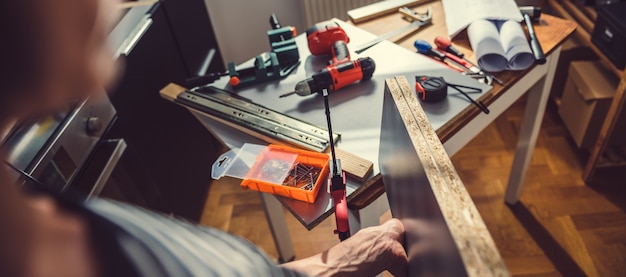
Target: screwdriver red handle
(446,45)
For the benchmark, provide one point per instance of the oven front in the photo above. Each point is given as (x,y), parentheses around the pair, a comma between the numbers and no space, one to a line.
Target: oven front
(59,150)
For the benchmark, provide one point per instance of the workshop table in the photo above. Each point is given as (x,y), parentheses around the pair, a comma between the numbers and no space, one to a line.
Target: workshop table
(456,127)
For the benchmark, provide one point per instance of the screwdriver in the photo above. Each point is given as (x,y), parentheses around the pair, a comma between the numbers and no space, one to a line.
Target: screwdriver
(446,45)
(425,48)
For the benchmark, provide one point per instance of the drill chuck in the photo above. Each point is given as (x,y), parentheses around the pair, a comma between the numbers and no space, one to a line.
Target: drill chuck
(303,88)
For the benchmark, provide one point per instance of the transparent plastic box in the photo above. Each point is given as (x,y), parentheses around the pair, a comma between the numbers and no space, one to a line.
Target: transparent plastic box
(266,168)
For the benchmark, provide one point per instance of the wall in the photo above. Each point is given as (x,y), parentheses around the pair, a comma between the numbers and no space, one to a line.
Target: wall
(241,25)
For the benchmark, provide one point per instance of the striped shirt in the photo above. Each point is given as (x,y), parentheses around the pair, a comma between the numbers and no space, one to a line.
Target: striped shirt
(132,241)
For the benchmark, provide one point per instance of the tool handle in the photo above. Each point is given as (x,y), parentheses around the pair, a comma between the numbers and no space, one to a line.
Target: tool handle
(533,12)
(274,22)
(425,48)
(446,45)
(340,52)
(537,51)
(458,61)
(460,70)
(534,42)
(341,206)
(346,73)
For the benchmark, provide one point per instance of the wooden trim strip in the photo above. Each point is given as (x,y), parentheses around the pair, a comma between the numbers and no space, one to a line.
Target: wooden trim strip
(414,162)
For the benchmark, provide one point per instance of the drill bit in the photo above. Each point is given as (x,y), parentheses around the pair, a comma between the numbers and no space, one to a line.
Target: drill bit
(287,94)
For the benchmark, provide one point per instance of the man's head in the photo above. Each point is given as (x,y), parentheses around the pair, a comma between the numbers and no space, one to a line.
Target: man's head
(52,51)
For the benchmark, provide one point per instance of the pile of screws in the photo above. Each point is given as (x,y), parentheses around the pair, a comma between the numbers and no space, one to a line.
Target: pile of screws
(302,176)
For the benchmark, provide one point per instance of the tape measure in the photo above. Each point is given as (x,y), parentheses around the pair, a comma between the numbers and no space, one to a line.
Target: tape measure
(431,89)
(435,89)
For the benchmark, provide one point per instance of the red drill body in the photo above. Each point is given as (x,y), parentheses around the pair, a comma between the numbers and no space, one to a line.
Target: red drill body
(328,38)
(334,77)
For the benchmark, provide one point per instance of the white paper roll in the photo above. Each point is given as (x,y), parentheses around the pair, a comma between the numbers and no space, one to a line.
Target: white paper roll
(485,40)
(515,45)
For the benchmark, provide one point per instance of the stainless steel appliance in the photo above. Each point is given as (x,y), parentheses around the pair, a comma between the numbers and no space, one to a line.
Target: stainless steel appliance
(163,160)
(54,149)
(67,151)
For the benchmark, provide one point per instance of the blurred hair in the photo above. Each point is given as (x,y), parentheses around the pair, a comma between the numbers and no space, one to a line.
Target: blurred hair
(21,35)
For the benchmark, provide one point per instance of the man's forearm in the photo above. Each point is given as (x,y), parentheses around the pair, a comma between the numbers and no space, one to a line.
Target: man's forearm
(367,253)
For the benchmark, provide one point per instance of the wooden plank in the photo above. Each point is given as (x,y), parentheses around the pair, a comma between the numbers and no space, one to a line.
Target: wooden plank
(380,8)
(354,166)
(367,193)
(581,18)
(426,193)
(171,91)
(612,117)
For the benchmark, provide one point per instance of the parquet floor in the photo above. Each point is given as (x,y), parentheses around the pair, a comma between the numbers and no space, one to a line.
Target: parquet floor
(560,227)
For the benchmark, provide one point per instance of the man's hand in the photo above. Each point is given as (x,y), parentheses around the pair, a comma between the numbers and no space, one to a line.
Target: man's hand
(369,252)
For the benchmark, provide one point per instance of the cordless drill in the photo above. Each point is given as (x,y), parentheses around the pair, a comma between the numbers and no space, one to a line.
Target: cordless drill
(329,38)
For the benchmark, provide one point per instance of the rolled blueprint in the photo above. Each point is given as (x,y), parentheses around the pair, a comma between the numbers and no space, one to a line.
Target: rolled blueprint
(485,40)
(515,45)
(499,45)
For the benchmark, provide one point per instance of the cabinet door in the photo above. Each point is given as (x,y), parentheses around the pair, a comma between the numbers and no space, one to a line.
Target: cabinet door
(192,27)
(175,149)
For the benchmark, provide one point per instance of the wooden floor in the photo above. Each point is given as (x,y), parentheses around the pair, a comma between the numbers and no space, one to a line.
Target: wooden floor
(560,227)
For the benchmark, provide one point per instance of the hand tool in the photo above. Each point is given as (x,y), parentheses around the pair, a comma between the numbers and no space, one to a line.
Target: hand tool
(233,109)
(283,59)
(435,89)
(264,70)
(532,11)
(283,43)
(423,47)
(337,181)
(470,69)
(535,46)
(465,68)
(445,45)
(334,77)
(421,20)
(328,38)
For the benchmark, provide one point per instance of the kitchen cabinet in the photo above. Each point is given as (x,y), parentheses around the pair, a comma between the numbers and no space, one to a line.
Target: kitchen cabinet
(171,146)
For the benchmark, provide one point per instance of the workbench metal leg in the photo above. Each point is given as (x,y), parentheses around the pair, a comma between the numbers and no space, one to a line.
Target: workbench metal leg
(278,226)
(531,124)
(354,221)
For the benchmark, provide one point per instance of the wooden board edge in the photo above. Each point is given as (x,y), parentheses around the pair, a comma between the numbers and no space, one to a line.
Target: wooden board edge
(354,166)
(476,247)
(378,9)
(171,91)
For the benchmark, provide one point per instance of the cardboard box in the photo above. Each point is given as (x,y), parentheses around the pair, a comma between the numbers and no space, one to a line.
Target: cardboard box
(587,96)
(572,51)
